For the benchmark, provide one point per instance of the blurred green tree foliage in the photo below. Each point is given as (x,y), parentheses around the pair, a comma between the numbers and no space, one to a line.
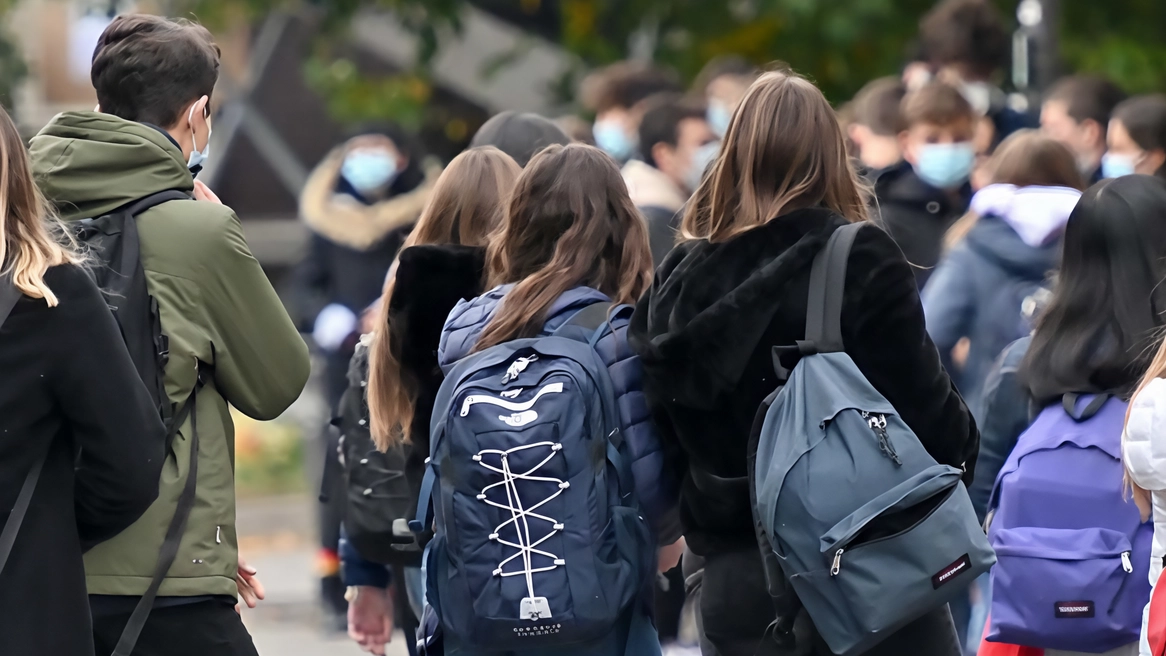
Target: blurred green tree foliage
(840,44)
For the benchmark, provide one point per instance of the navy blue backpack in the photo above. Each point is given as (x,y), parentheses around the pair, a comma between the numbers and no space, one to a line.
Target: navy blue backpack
(538,538)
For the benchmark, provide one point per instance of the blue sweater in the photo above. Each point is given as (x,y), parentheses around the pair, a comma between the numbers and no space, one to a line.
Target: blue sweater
(655,486)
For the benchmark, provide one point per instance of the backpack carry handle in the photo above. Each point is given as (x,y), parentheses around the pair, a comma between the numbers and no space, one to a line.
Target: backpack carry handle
(1071,400)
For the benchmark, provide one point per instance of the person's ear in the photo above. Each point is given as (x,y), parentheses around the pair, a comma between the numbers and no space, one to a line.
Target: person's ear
(905,146)
(857,133)
(198,113)
(664,157)
(1093,132)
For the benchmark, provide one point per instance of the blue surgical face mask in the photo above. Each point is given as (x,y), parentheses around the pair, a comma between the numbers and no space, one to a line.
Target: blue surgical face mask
(1114,165)
(719,117)
(197,158)
(702,159)
(611,137)
(369,170)
(946,165)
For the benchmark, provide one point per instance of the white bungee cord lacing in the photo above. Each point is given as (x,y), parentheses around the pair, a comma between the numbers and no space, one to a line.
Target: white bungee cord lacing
(532,608)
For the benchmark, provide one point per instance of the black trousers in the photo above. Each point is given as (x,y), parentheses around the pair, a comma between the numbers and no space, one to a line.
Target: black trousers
(735,609)
(206,628)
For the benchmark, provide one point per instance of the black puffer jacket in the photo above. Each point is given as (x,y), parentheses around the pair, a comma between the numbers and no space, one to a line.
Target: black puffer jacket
(704,333)
(917,215)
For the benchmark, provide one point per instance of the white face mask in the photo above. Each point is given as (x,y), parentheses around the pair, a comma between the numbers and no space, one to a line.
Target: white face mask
(197,157)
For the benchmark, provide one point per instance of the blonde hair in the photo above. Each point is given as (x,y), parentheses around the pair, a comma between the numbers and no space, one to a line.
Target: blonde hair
(464,208)
(784,151)
(30,234)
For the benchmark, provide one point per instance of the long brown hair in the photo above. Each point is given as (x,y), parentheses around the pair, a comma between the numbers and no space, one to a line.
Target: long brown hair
(784,151)
(465,206)
(570,223)
(1026,158)
(30,237)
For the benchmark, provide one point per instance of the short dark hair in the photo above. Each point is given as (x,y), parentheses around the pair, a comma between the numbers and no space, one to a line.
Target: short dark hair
(718,67)
(520,135)
(967,32)
(936,103)
(1144,118)
(625,84)
(1087,97)
(149,68)
(663,114)
(879,106)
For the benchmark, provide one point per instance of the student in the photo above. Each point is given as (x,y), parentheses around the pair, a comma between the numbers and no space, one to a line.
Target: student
(735,288)
(876,123)
(567,242)
(1008,245)
(1098,332)
(677,145)
(969,46)
(614,93)
(69,387)
(442,262)
(723,82)
(154,78)
(921,197)
(1137,138)
(359,206)
(1076,112)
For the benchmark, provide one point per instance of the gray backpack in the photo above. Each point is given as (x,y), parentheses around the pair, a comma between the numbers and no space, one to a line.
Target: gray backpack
(870,531)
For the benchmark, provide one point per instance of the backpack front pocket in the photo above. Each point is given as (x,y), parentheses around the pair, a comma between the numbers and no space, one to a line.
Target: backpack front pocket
(908,551)
(1062,589)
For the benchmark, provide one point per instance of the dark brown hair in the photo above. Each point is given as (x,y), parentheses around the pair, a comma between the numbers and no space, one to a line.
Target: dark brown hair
(570,223)
(663,114)
(149,69)
(624,84)
(1088,97)
(465,207)
(784,151)
(1144,118)
(879,106)
(938,104)
(966,33)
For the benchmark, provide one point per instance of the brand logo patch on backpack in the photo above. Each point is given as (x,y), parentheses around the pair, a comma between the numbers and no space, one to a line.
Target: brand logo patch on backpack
(1074,609)
(949,573)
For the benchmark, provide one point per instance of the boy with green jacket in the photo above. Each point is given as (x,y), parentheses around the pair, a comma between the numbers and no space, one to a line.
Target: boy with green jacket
(154,78)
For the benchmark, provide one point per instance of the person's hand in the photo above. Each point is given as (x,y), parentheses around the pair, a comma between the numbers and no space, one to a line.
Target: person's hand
(203,192)
(250,589)
(669,556)
(370,618)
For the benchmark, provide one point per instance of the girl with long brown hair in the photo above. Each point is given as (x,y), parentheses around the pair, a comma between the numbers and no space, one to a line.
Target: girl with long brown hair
(80,439)
(735,288)
(571,240)
(441,262)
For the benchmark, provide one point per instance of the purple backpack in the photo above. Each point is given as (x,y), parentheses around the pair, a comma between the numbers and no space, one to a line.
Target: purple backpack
(1073,554)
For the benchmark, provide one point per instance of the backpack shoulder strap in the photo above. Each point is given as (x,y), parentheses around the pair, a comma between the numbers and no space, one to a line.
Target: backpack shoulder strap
(1070,403)
(9,295)
(590,318)
(827,284)
(153,200)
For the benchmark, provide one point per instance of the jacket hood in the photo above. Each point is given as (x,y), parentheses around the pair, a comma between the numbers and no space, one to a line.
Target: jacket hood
(649,187)
(89,163)
(1037,214)
(347,221)
(519,135)
(995,239)
(469,318)
(708,307)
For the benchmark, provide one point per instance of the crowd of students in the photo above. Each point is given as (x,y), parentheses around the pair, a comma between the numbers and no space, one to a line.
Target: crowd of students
(553,363)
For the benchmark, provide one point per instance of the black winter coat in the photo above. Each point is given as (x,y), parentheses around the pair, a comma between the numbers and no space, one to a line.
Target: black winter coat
(917,215)
(705,330)
(68,386)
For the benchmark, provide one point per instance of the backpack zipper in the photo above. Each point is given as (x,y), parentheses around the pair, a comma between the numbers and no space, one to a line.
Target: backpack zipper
(837,566)
(1125,562)
(878,424)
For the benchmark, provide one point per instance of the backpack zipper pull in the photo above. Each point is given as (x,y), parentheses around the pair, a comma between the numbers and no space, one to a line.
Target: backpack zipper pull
(837,563)
(878,424)
(1125,562)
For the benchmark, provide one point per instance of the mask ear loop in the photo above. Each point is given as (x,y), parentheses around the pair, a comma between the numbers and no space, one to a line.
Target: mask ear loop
(190,121)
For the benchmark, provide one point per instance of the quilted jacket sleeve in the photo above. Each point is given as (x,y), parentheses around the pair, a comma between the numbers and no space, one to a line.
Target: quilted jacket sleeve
(656,486)
(1144,442)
